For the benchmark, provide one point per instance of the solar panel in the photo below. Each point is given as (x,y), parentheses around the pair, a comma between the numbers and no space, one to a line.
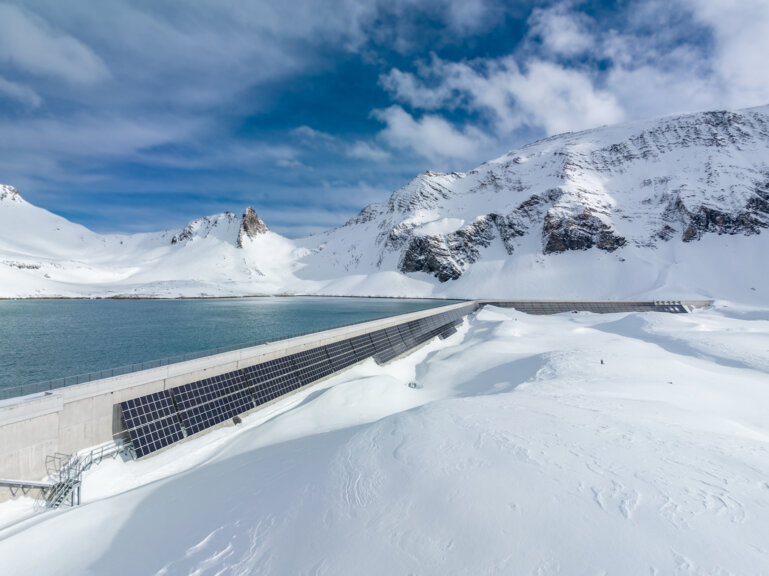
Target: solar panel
(385,355)
(394,335)
(417,326)
(448,331)
(315,372)
(151,422)
(406,336)
(396,342)
(252,377)
(208,389)
(203,416)
(309,357)
(267,391)
(380,341)
(363,346)
(341,355)
(157,420)
(423,337)
(271,369)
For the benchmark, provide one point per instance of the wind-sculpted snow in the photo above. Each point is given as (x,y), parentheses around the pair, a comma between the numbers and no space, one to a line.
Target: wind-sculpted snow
(582,444)
(574,216)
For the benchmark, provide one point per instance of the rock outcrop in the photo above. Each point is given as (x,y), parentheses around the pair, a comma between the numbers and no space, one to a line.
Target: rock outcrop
(9,193)
(250,226)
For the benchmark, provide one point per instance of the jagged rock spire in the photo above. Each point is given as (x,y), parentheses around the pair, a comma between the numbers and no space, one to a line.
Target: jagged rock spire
(250,226)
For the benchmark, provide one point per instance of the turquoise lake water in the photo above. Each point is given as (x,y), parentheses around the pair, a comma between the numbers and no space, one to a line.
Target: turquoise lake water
(42,340)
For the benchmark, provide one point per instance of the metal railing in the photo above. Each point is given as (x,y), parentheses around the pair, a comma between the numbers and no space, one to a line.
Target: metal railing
(65,476)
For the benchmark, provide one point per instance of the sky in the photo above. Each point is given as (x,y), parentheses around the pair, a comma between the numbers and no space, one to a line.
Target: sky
(141,116)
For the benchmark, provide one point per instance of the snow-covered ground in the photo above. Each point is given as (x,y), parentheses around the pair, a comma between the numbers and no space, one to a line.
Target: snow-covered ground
(570,444)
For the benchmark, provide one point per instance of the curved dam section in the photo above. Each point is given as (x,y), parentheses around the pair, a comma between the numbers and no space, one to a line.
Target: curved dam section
(70,419)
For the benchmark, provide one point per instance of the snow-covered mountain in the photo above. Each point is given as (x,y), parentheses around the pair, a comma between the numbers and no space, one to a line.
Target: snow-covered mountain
(672,207)
(643,194)
(42,254)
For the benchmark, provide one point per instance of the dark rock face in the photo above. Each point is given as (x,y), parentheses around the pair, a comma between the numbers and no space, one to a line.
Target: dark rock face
(183,236)
(447,256)
(432,255)
(581,232)
(250,226)
(706,219)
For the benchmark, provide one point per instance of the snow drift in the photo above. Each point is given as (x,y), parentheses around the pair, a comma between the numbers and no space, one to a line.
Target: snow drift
(580,443)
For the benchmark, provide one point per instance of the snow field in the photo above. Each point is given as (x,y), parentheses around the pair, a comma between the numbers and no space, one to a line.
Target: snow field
(570,444)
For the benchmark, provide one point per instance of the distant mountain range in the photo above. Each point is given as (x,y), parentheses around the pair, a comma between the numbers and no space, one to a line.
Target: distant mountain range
(674,207)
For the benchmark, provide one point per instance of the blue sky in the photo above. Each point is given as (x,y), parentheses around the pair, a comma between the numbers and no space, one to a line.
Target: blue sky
(140,116)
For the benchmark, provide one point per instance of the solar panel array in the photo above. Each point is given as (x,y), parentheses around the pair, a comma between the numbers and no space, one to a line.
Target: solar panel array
(152,423)
(160,419)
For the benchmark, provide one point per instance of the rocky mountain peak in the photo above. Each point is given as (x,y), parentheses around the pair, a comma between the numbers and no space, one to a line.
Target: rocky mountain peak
(640,184)
(250,226)
(9,193)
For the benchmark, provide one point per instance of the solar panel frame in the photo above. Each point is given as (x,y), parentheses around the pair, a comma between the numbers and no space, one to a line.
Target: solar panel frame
(151,422)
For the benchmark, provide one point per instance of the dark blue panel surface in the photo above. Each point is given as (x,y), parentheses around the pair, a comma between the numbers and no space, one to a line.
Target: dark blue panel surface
(363,346)
(152,422)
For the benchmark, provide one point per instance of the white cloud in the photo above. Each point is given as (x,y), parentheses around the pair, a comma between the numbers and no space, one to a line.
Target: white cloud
(22,94)
(656,61)
(741,33)
(561,99)
(666,73)
(408,88)
(431,136)
(29,44)
(469,16)
(545,95)
(561,30)
(365,151)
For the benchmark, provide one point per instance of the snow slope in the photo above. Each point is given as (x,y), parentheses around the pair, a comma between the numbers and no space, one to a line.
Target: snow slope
(577,444)
(42,254)
(675,207)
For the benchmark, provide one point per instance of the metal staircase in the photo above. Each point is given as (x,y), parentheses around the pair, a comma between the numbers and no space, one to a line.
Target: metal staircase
(65,472)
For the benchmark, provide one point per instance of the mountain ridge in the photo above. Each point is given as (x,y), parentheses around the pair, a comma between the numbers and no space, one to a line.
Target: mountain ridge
(635,193)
